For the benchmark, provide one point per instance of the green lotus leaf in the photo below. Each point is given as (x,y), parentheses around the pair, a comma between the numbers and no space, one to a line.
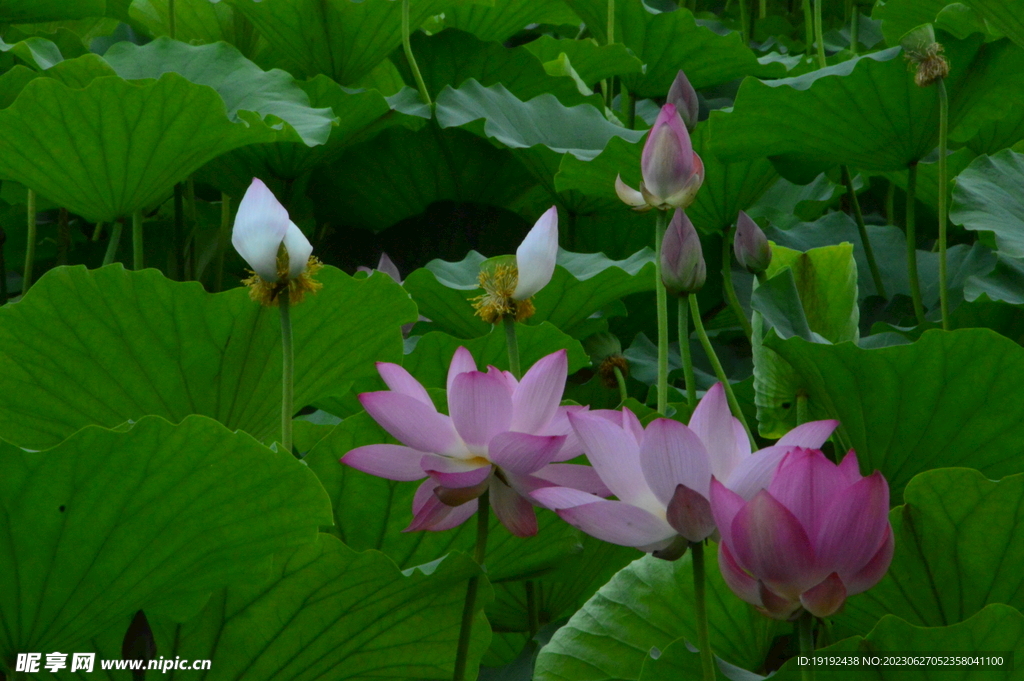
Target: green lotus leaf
(500,20)
(669,41)
(987,197)
(959,544)
(997,630)
(591,61)
(36,11)
(649,604)
(196,22)
(961,385)
(136,343)
(328,611)
(155,517)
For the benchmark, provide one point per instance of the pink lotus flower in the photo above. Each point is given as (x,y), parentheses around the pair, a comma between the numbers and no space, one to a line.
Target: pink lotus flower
(672,171)
(501,435)
(818,533)
(662,475)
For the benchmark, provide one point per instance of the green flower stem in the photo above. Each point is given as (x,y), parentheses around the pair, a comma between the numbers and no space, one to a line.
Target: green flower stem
(115,241)
(876,275)
(30,245)
(661,294)
(611,21)
(854,28)
(287,370)
(479,552)
(805,633)
(410,57)
(512,342)
(223,239)
(808,26)
(818,37)
(763,9)
(179,230)
(532,619)
(97,230)
(684,351)
(730,290)
(137,259)
(943,209)
(171,20)
(707,659)
(719,371)
(745,22)
(915,282)
(621,380)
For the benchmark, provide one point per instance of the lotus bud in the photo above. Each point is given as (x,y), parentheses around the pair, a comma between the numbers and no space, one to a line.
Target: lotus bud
(510,284)
(672,171)
(684,98)
(683,270)
(605,352)
(751,247)
(275,248)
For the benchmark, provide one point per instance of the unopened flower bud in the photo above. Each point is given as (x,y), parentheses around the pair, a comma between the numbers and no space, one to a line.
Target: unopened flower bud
(751,247)
(672,171)
(684,98)
(605,352)
(683,270)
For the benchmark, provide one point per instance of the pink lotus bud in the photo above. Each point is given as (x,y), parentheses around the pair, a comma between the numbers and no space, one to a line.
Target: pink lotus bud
(751,247)
(819,533)
(682,261)
(672,172)
(684,98)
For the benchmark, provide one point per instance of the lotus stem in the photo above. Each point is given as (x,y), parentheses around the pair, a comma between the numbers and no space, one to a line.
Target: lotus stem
(808,26)
(943,208)
(512,343)
(805,633)
(172,29)
(745,21)
(707,659)
(611,21)
(858,216)
(621,381)
(660,225)
(30,245)
(468,610)
(854,28)
(734,405)
(730,290)
(818,34)
(137,250)
(410,57)
(684,352)
(915,282)
(287,370)
(115,241)
(97,230)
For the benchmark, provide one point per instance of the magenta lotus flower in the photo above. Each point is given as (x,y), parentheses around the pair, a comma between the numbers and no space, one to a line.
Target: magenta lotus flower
(501,435)
(662,475)
(751,247)
(818,534)
(684,98)
(672,171)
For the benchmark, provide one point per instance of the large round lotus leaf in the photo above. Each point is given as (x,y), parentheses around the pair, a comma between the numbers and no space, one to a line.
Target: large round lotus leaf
(948,399)
(329,612)
(155,517)
(866,112)
(649,604)
(338,38)
(959,547)
(669,41)
(35,11)
(996,631)
(114,147)
(499,20)
(104,346)
(242,85)
(988,197)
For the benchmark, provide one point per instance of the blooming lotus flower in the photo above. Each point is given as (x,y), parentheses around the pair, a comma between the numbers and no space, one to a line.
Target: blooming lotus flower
(751,247)
(509,288)
(683,270)
(684,98)
(818,534)
(672,171)
(385,265)
(662,475)
(501,435)
(273,246)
